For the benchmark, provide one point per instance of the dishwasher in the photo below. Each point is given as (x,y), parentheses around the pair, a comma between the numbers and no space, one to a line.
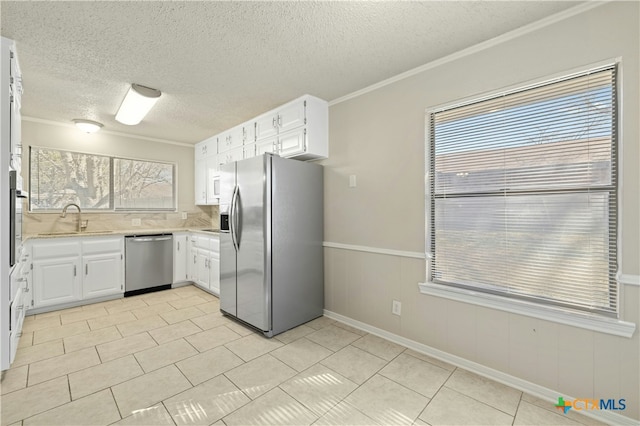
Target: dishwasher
(148,263)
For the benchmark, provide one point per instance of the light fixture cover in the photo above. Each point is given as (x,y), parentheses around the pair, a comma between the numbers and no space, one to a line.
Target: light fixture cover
(87,126)
(136,104)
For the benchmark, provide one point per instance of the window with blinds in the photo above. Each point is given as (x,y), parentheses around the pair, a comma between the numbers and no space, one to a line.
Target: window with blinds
(522,193)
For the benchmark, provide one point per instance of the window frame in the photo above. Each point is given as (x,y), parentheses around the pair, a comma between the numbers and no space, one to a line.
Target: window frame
(550,312)
(112,158)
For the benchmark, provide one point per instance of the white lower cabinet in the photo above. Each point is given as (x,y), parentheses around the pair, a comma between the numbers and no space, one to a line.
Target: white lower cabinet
(67,270)
(56,281)
(100,275)
(180,253)
(205,262)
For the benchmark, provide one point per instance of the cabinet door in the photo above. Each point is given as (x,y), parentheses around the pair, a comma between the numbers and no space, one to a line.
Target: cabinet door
(214,273)
(266,126)
(267,145)
(206,148)
(250,150)
(291,116)
(17,309)
(56,281)
(103,275)
(249,132)
(202,263)
(180,257)
(292,143)
(192,259)
(231,156)
(213,181)
(200,183)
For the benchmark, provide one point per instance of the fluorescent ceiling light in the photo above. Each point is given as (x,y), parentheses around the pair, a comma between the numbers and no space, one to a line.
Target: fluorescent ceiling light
(136,104)
(87,126)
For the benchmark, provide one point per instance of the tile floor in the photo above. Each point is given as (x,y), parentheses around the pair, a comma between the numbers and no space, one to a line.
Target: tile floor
(171,358)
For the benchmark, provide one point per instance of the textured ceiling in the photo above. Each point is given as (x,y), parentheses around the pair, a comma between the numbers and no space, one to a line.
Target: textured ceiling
(221,63)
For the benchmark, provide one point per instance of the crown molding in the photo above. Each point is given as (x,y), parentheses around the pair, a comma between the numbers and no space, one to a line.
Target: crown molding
(108,132)
(526,29)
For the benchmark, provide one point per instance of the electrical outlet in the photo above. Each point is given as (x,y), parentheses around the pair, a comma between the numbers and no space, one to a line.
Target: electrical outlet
(136,222)
(396,308)
(352,181)
(184,215)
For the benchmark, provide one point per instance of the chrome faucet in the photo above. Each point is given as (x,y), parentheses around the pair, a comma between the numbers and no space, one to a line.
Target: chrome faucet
(82,225)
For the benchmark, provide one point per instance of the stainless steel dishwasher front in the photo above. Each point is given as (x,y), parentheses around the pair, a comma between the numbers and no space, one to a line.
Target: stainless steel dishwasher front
(148,263)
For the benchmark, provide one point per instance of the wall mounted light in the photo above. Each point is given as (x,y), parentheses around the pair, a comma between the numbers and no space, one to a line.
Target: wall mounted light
(136,104)
(87,126)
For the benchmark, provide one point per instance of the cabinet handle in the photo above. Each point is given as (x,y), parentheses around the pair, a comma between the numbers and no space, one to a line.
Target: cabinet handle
(86,269)
(279,120)
(178,245)
(194,259)
(74,270)
(274,122)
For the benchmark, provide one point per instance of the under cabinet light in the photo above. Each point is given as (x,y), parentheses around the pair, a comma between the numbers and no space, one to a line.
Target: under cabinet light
(87,126)
(136,104)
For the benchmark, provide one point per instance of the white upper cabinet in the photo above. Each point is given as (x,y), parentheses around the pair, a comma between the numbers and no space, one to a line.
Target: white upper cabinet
(206,148)
(231,156)
(200,171)
(206,168)
(298,129)
(231,139)
(285,118)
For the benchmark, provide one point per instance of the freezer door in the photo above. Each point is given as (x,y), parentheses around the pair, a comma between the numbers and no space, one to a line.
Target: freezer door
(297,262)
(253,278)
(228,300)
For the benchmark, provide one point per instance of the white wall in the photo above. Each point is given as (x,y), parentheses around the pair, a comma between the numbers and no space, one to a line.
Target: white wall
(379,136)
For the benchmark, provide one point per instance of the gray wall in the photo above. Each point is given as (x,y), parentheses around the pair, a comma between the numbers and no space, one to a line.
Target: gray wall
(379,136)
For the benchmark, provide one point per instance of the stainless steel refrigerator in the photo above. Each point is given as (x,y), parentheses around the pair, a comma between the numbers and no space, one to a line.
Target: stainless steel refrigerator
(271,232)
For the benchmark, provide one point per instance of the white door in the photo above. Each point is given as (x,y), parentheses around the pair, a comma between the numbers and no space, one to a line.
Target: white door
(266,126)
(213,181)
(180,257)
(102,275)
(56,281)
(192,260)
(200,184)
(214,273)
(203,267)
(291,116)
(292,143)
(267,145)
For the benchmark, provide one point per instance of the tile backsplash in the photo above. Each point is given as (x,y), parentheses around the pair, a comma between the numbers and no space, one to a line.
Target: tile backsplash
(199,217)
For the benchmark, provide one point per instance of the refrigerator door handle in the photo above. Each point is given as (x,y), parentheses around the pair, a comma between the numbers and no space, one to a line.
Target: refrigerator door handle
(237,217)
(232,218)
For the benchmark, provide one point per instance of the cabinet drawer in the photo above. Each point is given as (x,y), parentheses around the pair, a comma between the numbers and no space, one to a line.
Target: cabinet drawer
(45,250)
(202,242)
(102,245)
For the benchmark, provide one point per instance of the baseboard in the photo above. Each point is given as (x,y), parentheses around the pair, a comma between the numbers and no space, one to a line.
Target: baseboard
(538,391)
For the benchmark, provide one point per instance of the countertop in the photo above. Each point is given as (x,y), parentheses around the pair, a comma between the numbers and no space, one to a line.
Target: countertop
(206,231)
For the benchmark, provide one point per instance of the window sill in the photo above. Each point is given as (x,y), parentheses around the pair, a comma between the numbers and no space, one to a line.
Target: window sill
(575,319)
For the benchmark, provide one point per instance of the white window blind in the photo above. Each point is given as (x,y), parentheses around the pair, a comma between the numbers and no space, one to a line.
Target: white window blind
(522,193)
